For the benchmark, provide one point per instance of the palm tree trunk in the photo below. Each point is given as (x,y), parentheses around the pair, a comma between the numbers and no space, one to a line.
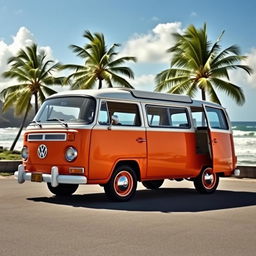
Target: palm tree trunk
(36,102)
(203,94)
(20,130)
(100,83)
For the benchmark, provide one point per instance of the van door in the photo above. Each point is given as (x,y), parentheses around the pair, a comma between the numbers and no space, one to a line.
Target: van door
(169,139)
(221,140)
(118,135)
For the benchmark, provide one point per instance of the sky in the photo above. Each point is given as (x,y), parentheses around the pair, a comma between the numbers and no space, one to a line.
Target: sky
(143,28)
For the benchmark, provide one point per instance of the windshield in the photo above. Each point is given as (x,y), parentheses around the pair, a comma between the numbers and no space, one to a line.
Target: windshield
(67,109)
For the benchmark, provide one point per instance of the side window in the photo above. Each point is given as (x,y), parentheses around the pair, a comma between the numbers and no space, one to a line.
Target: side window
(157,116)
(103,114)
(167,117)
(217,118)
(179,117)
(125,114)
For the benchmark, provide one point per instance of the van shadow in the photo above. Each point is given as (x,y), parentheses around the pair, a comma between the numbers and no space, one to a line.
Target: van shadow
(163,200)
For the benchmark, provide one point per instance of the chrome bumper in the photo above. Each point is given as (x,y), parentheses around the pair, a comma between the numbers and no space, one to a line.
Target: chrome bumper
(54,178)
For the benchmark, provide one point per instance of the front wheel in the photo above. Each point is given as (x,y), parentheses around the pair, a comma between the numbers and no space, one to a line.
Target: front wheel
(152,184)
(122,185)
(63,189)
(207,181)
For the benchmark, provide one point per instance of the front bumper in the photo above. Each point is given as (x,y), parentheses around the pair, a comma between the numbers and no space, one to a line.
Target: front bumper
(54,178)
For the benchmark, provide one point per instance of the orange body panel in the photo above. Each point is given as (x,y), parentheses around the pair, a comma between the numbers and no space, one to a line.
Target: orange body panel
(110,146)
(56,152)
(223,152)
(159,155)
(173,154)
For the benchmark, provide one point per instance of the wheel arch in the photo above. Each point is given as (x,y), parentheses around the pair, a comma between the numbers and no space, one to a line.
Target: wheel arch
(132,163)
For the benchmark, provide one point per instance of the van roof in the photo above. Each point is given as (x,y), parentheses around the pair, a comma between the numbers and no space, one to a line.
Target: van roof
(133,95)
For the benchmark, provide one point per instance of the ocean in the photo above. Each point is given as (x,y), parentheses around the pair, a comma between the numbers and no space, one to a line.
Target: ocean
(244,138)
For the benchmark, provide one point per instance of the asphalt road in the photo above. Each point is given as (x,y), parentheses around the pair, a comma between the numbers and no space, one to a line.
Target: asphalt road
(174,220)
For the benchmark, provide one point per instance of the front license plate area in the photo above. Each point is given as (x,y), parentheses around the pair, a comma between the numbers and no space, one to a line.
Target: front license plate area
(36,177)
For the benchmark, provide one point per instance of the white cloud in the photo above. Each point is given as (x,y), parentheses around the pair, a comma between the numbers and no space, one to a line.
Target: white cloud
(193,14)
(152,47)
(22,39)
(251,62)
(240,77)
(143,82)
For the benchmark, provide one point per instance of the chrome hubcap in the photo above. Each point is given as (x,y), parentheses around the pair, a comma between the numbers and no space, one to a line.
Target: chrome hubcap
(209,179)
(122,183)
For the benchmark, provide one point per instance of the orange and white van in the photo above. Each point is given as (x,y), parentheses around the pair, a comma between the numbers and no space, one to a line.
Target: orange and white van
(117,137)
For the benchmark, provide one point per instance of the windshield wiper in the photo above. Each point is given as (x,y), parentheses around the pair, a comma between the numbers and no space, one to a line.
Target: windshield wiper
(36,122)
(59,120)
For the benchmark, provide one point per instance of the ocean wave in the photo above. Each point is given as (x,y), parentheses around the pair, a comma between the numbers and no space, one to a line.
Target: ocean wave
(239,133)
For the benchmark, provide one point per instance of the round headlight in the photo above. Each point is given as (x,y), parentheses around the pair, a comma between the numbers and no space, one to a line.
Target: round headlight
(71,154)
(24,153)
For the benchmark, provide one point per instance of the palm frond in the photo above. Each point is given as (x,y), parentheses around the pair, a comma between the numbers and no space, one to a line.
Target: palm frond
(123,70)
(120,81)
(232,90)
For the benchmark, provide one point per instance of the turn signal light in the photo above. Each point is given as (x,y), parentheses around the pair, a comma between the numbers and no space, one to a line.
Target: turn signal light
(76,170)
(71,136)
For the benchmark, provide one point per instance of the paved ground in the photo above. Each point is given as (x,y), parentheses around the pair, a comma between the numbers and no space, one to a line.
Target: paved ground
(174,220)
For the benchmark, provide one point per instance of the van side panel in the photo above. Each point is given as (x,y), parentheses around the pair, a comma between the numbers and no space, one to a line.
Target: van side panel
(172,154)
(110,146)
(222,152)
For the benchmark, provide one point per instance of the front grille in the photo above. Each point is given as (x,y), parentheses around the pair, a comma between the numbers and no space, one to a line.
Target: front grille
(47,137)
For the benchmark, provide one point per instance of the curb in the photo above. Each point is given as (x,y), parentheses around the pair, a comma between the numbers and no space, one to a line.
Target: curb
(247,172)
(9,166)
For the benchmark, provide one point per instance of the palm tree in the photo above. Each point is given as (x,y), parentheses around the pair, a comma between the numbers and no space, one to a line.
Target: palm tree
(33,74)
(99,64)
(199,64)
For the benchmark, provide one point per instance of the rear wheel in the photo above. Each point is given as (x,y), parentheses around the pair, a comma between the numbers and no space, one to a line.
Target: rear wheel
(63,189)
(122,185)
(152,184)
(207,181)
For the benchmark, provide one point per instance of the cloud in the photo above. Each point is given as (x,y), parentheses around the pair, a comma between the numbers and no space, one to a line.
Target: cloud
(144,82)
(152,47)
(193,14)
(240,77)
(251,62)
(22,39)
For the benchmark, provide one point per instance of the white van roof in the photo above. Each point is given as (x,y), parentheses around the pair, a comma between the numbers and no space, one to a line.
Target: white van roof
(133,95)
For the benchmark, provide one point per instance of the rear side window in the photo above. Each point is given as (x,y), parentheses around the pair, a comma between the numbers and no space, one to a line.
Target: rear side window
(167,117)
(217,118)
(124,114)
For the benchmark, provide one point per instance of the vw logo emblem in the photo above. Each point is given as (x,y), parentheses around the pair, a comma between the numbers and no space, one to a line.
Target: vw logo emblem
(42,151)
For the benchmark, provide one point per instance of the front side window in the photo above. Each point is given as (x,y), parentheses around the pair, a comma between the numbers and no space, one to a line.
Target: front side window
(118,113)
(67,109)
(217,118)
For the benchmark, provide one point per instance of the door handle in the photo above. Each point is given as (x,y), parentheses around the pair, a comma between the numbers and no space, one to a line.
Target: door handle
(141,140)
(215,140)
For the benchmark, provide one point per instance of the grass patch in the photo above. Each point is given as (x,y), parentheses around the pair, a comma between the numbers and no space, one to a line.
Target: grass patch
(6,174)
(9,155)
